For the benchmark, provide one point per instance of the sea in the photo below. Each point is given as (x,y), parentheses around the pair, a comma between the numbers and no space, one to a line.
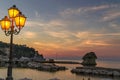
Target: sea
(19,73)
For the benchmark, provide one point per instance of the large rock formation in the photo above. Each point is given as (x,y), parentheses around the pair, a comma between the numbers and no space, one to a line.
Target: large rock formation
(21,53)
(89,59)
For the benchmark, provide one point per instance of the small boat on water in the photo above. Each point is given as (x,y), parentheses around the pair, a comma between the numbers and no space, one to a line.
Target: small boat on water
(54,79)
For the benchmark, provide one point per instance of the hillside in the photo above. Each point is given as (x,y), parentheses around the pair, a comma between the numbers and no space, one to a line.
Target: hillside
(19,51)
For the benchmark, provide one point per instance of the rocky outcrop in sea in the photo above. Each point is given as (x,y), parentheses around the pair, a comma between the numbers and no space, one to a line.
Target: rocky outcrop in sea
(98,71)
(89,67)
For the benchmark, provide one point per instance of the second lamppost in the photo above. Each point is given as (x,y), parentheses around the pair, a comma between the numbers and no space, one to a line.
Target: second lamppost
(12,25)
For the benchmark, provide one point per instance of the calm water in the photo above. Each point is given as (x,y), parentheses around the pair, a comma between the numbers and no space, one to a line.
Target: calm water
(63,75)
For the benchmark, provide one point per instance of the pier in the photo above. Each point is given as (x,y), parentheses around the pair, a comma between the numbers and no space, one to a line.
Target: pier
(59,62)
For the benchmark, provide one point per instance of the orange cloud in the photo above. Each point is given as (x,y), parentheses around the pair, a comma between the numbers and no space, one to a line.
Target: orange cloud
(97,43)
(29,34)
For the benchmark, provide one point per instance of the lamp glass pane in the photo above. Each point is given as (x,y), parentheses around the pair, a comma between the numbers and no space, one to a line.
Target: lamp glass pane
(5,25)
(13,12)
(20,21)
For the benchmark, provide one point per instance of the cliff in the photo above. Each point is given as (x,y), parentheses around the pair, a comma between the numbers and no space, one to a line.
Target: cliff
(20,51)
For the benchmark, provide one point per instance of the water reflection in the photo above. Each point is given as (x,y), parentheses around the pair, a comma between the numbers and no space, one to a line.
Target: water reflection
(109,64)
(19,73)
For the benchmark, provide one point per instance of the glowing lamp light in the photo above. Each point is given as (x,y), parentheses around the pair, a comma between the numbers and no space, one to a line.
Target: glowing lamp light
(20,20)
(13,11)
(5,23)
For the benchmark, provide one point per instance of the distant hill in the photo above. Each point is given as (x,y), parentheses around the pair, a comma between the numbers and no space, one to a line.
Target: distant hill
(19,51)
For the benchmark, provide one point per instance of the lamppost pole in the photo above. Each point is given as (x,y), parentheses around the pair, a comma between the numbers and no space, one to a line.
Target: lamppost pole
(12,25)
(9,72)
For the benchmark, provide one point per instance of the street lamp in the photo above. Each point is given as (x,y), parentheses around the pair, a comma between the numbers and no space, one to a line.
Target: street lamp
(12,25)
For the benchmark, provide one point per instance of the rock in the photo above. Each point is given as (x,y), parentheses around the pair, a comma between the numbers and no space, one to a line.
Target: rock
(116,73)
(100,71)
(89,59)
(47,67)
(25,79)
(1,79)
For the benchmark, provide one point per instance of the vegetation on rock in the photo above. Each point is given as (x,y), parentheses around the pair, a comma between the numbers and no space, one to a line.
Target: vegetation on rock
(18,51)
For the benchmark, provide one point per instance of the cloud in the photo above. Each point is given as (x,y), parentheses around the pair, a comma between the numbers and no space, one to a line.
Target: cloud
(47,46)
(111,15)
(69,33)
(96,8)
(115,26)
(60,34)
(57,23)
(107,34)
(70,11)
(87,39)
(84,34)
(107,12)
(35,23)
(89,34)
(29,34)
(95,43)
(80,10)
(44,24)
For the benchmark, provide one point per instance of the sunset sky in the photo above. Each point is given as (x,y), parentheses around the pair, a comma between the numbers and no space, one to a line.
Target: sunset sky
(68,28)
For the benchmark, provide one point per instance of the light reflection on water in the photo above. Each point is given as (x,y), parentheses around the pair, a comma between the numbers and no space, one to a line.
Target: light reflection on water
(19,73)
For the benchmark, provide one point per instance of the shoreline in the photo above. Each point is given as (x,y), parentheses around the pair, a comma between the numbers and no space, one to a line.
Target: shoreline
(50,67)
